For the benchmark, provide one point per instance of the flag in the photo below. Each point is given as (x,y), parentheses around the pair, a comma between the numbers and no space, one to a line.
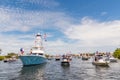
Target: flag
(21,50)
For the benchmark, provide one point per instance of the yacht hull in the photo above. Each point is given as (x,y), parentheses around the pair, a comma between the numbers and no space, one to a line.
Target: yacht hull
(100,63)
(32,60)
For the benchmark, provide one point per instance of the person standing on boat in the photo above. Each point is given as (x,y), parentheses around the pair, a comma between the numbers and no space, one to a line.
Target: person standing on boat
(30,51)
(96,57)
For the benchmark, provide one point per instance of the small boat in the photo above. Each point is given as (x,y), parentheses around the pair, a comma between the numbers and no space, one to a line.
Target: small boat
(5,60)
(57,58)
(85,57)
(12,59)
(65,60)
(49,58)
(36,55)
(100,61)
(112,59)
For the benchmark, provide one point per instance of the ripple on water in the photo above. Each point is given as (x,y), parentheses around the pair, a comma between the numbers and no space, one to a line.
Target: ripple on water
(78,70)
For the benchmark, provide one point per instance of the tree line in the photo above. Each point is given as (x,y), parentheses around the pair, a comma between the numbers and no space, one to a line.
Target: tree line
(116,53)
(9,55)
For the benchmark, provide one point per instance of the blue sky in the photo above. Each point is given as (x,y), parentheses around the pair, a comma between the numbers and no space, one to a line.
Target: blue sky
(71,25)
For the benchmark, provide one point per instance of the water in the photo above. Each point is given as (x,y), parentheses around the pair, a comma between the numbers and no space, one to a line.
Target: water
(78,70)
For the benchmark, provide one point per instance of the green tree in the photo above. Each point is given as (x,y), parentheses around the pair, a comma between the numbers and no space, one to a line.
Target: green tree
(116,53)
(1,58)
(11,54)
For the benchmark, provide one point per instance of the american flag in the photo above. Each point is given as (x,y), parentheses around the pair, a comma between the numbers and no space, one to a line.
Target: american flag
(21,50)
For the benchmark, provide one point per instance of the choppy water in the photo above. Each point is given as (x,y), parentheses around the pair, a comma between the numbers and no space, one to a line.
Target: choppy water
(78,70)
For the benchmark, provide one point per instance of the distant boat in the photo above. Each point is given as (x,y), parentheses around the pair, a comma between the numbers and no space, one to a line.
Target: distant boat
(5,60)
(85,57)
(12,59)
(100,61)
(65,60)
(57,57)
(50,57)
(36,56)
(112,59)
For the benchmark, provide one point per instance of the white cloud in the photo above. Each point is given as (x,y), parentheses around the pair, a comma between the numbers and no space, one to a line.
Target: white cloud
(61,47)
(93,33)
(12,43)
(27,20)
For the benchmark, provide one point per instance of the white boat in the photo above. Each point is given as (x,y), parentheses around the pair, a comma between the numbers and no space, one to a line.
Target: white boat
(65,62)
(36,56)
(112,59)
(100,61)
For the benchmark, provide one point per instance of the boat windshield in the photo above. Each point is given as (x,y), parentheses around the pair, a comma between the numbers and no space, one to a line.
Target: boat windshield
(35,48)
(36,53)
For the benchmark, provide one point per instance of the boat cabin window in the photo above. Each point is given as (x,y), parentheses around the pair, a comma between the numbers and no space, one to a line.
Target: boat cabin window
(40,53)
(34,53)
(37,53)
